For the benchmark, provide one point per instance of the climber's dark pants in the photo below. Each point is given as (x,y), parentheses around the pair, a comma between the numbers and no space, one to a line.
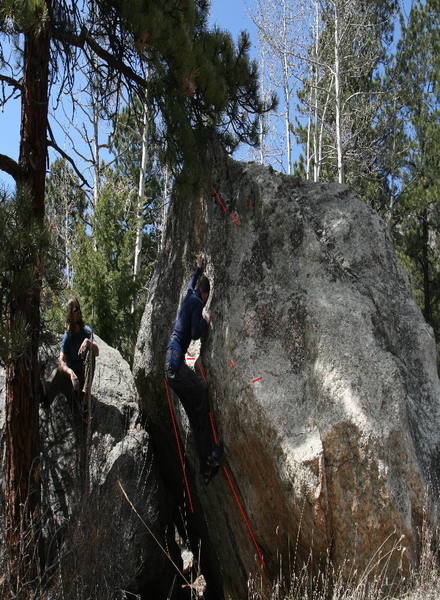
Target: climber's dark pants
(193,394)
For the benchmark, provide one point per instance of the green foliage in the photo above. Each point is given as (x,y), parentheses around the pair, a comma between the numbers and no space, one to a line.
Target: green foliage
(392,145)
(24,13)
(65,206)
(95,249)
(25,245)
(126,145)
(103,266)
(416,219)
(201,86)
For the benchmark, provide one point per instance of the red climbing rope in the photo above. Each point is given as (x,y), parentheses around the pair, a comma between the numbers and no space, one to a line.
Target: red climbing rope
(237,499)
(202,372)
(214,193)
(228,476)
(244,517)
(214,431)
(179,447)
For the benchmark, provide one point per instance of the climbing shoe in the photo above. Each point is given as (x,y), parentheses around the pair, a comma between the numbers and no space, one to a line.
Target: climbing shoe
(216,455)
(212,464)
(209,473)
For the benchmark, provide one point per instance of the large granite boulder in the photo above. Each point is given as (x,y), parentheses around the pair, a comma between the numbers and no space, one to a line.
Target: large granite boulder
(335,449)
(96,543)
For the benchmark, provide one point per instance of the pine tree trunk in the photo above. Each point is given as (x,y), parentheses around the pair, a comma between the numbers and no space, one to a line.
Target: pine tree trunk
(22,493)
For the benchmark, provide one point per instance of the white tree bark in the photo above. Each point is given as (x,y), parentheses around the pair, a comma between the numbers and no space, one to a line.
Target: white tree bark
(280,25)
(338,97)
(287,121)
(95,146)
(321,131)
(96,169)
(164,205)
(66,247)
(292,31)
(309,133)
(286,90)
(261,133)
(315,87)
(140,195)
(140,202)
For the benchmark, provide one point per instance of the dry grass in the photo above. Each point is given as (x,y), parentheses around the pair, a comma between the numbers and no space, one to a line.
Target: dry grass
(424,582)
(89,562)
(73,578)
(375,582)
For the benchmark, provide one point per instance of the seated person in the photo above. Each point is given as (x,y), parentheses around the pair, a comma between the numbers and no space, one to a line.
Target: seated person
(77,341)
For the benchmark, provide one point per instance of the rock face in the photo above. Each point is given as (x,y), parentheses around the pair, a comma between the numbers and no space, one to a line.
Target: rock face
(336,447)
(93,536)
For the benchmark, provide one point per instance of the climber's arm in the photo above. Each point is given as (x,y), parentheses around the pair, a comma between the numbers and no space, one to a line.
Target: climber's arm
(197,272)
(199,325)
(194,278)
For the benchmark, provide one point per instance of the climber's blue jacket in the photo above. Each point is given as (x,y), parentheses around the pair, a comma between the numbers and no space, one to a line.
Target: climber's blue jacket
(190,325)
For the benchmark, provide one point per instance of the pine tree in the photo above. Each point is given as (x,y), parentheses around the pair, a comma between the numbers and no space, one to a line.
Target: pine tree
(22,494)
(201,85)
(139,159)
(103,264)
(416,219)
(24,241)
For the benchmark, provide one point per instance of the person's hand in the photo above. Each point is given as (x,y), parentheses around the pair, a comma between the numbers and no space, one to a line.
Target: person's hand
(208,317)
(84,346)
(75,381)
(200,261)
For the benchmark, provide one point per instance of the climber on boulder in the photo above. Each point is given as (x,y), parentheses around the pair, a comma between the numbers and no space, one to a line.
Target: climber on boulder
(189,387)
(77,342)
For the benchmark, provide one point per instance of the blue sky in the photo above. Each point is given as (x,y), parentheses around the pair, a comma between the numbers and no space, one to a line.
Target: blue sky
(231,15)
(226,14)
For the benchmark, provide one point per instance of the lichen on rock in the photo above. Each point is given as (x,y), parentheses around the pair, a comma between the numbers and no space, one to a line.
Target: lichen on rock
(336,445)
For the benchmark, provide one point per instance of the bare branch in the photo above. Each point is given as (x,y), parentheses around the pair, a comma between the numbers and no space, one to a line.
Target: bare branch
(55,146)
(12,82)
(67,134)
(110,59)
(10,166)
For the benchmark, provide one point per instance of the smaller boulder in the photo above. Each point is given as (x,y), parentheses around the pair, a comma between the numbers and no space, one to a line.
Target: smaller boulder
(99,485)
